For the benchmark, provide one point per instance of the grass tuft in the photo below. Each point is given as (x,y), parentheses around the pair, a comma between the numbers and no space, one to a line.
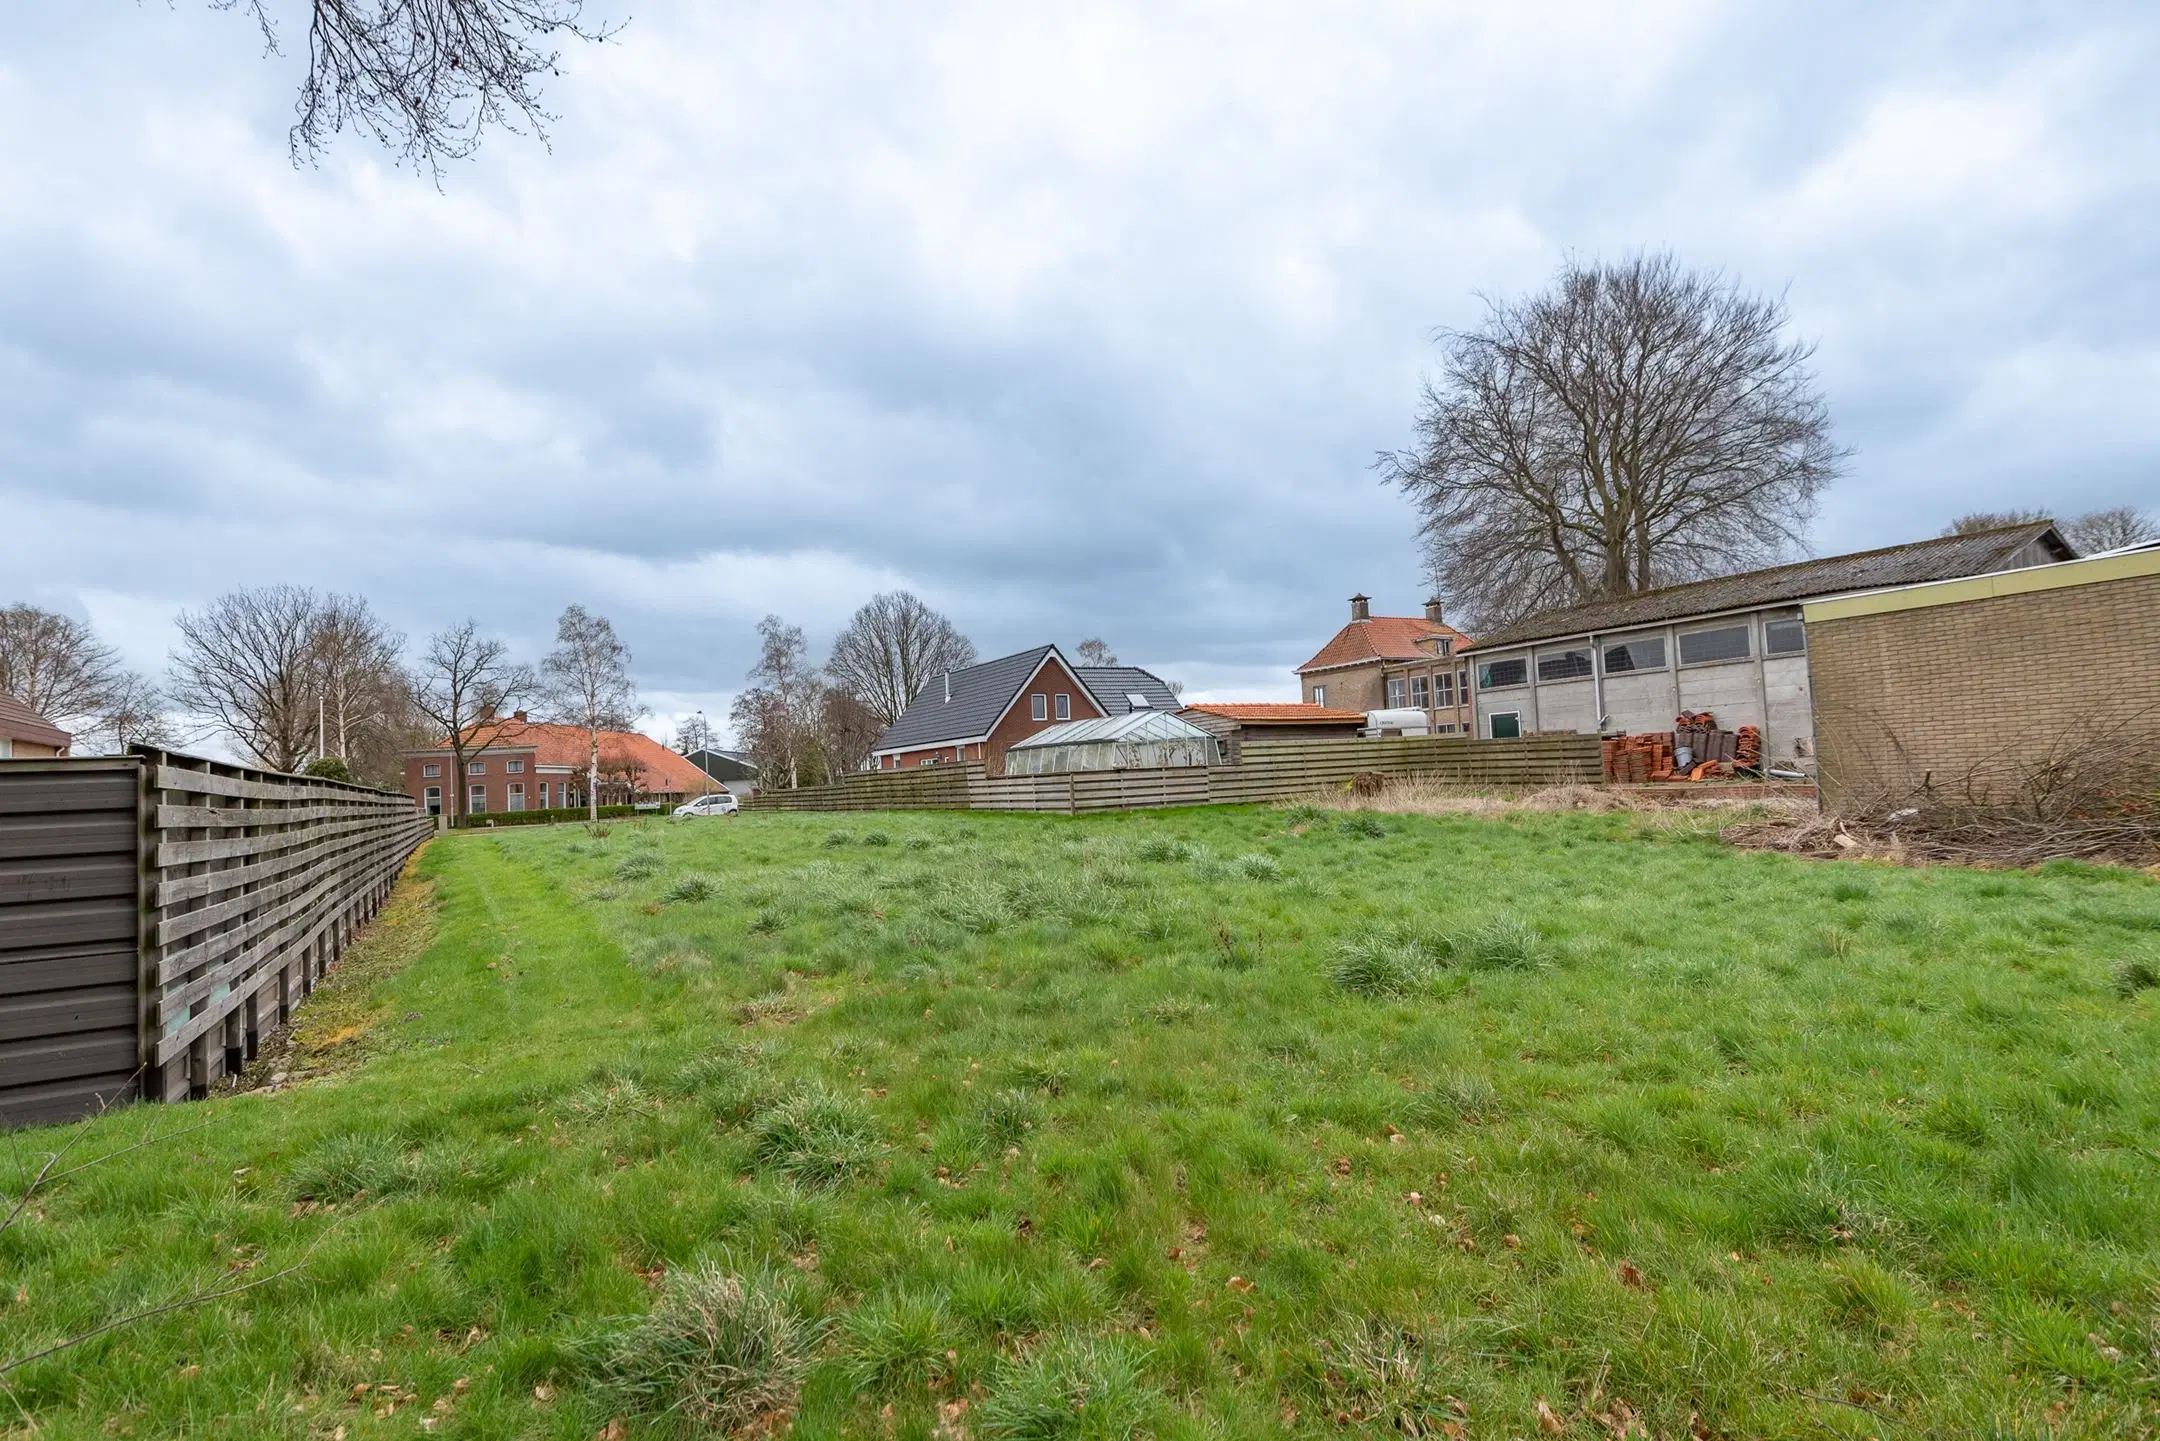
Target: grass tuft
(691,889)
(1074,1389)
(816,1137)
(722,1352)
(2135,975)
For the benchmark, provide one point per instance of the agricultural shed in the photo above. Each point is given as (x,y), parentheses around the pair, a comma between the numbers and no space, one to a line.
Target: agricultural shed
(1137,740)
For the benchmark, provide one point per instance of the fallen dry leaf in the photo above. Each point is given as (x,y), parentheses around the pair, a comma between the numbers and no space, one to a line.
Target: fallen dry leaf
(543,1393)
(1547,1422)
(1240,1285)
(1631,1277)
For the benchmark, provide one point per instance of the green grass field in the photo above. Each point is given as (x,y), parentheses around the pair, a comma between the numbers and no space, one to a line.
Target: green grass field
(1230,1123)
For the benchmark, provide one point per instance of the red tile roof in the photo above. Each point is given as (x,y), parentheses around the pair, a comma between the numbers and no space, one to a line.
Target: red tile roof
(664,772)
(19,722)
(1270,713)
(1384,637)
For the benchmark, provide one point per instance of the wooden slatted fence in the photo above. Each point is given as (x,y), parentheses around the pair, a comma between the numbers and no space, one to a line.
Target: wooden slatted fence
(1266,771)
(158,912)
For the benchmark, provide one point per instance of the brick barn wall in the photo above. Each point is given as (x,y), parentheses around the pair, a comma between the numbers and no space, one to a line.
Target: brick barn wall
(1980,688)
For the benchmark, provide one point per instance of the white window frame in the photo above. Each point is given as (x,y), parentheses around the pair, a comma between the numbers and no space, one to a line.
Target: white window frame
(1421,692)
(476,800)
(1064,706)
(1513,715)
(429,770)
(515,768)
(476,768)
(1319,695)
(1398,691)
(515,801)
(431,800)
(1039,706)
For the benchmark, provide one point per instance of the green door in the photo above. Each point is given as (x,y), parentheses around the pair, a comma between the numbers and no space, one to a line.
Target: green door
(1506,725)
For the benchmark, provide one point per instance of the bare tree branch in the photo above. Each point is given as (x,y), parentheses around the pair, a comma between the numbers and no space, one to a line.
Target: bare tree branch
(425,78)
(465,682)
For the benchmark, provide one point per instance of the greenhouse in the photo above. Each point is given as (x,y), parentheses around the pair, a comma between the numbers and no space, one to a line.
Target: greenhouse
(1138,740)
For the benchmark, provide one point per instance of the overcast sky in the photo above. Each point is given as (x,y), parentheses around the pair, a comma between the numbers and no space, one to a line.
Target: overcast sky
(1077,320)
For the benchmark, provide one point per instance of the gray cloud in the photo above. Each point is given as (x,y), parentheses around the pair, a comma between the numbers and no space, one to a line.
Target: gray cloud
(1078,324)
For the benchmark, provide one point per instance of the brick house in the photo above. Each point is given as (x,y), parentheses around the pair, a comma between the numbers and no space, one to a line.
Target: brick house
(1734,646)
(1392,662)
(26,735)
(974,714)
(519,765)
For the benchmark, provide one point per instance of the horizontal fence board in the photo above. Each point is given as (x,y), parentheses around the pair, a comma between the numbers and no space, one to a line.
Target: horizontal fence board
(51,1058)
(23,973)
(67,878)
(64,1100)
(63,923)
(64,1013)
(45,792)
(73,833)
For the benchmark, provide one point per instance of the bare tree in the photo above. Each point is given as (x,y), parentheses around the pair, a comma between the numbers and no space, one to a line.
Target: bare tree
(357,677)
(54,664)
(776,718)
(1634,425)
(465,681)
(2088,534)
(846,733)
(246,662)
(890,650)
(2111,529)
(695,734)
(1093,651)
(426,78)
(586,681)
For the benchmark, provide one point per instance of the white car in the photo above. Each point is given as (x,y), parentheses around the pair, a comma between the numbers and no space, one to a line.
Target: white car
(719,803)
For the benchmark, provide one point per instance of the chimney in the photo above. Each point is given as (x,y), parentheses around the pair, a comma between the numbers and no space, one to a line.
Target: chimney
(948,687)
(1361,607)
(519,717)
(1433,612)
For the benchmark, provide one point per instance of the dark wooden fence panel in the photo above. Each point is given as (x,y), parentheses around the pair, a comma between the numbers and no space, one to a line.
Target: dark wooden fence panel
(68,905)
(158,912)
(1266,771)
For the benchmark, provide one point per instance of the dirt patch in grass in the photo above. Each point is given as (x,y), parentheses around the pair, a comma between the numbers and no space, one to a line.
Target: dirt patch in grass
(330,1030)
(1423,796)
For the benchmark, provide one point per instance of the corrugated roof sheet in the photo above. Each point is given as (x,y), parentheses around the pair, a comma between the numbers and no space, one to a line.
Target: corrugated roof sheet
(1114,685)
(1139,725)
(1950,557)
(19,722)
(980,694)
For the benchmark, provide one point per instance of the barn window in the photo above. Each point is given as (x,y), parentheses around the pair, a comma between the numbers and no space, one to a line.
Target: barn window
(1494,674)
(1784,637)
(1726,642)
(1641,652)
(1563,664)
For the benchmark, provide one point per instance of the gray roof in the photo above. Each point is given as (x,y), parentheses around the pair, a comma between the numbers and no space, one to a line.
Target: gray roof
(1950,557)
(980,694)
(1110,684)
(724,765)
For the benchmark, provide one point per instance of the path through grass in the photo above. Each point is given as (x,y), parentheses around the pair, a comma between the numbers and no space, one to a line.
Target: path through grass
(1227,1123)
